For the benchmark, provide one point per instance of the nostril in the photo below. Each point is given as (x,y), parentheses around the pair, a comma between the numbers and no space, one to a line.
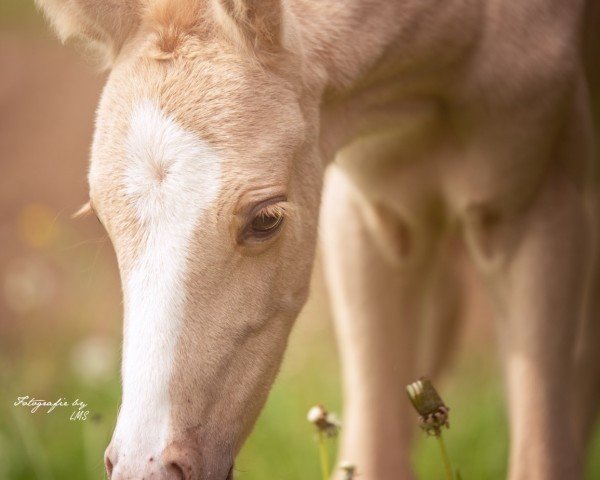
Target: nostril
(180,462)
(108,464)
(178,470)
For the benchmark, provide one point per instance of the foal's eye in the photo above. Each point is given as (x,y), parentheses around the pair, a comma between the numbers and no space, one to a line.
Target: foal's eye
(266,222)
(267,219)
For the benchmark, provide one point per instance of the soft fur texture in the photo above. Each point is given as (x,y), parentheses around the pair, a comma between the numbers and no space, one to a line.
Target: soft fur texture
(465,118)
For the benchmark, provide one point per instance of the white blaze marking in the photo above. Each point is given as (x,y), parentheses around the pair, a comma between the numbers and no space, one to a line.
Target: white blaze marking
(172,177)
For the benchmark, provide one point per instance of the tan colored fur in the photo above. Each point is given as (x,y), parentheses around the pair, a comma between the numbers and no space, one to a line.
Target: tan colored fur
(468,116)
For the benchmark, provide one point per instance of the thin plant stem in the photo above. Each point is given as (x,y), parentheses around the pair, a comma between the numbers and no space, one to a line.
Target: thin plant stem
(445,457)
(324,454)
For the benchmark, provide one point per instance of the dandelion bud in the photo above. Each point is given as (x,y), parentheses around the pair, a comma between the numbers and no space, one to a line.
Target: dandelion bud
(433,413)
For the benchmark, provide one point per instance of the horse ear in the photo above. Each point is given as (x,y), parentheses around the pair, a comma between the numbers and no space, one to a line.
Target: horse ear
(104,23)
(255,22)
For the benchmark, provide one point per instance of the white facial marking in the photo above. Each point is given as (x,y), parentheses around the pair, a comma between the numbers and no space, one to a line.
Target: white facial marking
(171,179)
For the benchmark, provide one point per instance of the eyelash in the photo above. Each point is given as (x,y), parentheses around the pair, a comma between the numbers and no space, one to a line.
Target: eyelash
(273,210)
(276,209)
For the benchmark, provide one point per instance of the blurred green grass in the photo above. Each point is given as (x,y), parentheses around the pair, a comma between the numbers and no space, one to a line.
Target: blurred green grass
(49,446)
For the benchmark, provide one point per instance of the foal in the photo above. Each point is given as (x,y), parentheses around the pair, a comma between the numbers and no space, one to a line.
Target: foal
(213,133)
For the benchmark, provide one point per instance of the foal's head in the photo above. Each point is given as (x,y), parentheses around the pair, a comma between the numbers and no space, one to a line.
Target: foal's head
(204,173)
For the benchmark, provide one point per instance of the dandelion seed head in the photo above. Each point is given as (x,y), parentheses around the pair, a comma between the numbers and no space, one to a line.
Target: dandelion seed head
(325,422)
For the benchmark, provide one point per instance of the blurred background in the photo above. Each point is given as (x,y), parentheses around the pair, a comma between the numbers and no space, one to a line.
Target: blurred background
(60,305)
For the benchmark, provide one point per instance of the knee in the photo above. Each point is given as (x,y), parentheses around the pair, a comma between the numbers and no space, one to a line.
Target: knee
(402,237)
(399,242)
(486,230)
(552,219)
